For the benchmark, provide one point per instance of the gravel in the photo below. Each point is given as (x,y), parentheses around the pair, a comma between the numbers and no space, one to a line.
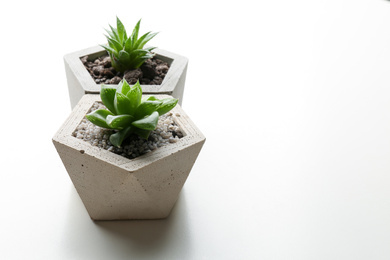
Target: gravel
(167,132)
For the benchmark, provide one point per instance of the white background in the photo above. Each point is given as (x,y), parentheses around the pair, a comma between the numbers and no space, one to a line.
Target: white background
(292,96)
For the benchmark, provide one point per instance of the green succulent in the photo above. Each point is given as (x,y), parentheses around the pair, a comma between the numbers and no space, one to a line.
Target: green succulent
(128,112)
(127,52)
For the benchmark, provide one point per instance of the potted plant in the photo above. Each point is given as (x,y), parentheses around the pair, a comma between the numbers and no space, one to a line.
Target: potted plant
(134,160)
(125,56)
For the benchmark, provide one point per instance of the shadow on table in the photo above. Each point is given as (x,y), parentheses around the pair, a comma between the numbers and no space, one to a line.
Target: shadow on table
(143,239)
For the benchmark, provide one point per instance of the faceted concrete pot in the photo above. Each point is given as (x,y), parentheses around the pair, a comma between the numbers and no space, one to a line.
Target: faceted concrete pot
(113,187)
(81,83)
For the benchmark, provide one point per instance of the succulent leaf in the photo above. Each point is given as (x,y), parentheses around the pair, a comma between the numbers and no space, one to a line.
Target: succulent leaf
(121,30)
(142,133)
(141,39)
(129,45)
(98,117)
(146,108)
(110,50)
(140,60)
(122,104)
(119,122)
(134,95)
(117,138)
(107,94)
(123,87)
(114,44)
(115,33)
(140,52)
(116,64)
(134,35)
(148,37)
(149,49)
(109,33)
(167,105)
(124,57)
(147,123)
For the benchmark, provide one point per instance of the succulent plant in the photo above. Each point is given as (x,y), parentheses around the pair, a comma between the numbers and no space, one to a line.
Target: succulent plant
(128,112)
(127,52)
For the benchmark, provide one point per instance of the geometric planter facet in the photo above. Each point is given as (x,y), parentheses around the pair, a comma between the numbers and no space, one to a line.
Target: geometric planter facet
(113,187)
(81,83)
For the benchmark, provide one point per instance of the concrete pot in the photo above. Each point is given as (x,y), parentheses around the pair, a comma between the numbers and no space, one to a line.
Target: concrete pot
(113,187)
(81,83)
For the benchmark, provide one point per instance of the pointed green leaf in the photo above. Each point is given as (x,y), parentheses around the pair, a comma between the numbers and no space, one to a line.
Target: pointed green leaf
(129,45)
(116,63)
(146,108)
(120,121)
(98,117)
(140,52)
(140,60)
(147,123)
(117,138)
(167,105)
(134,35)
(109,49)
(136,56)
(123,56)
(114,44)
(146,39)
(142,133)
(122,104)
(134,95)
(110,33)
(149,49)
(141,39)
(123,87)
(120,30)
(124,35)
(107,94)
(115,33)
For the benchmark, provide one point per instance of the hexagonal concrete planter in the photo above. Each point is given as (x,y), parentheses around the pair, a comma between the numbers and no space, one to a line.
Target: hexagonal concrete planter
(81,83)
(113,187)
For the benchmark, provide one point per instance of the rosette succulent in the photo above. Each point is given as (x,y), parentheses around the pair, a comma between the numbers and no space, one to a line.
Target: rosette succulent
(128,112)
(127,52)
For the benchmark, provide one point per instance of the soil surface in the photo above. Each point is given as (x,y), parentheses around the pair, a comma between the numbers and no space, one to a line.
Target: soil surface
(152,72)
